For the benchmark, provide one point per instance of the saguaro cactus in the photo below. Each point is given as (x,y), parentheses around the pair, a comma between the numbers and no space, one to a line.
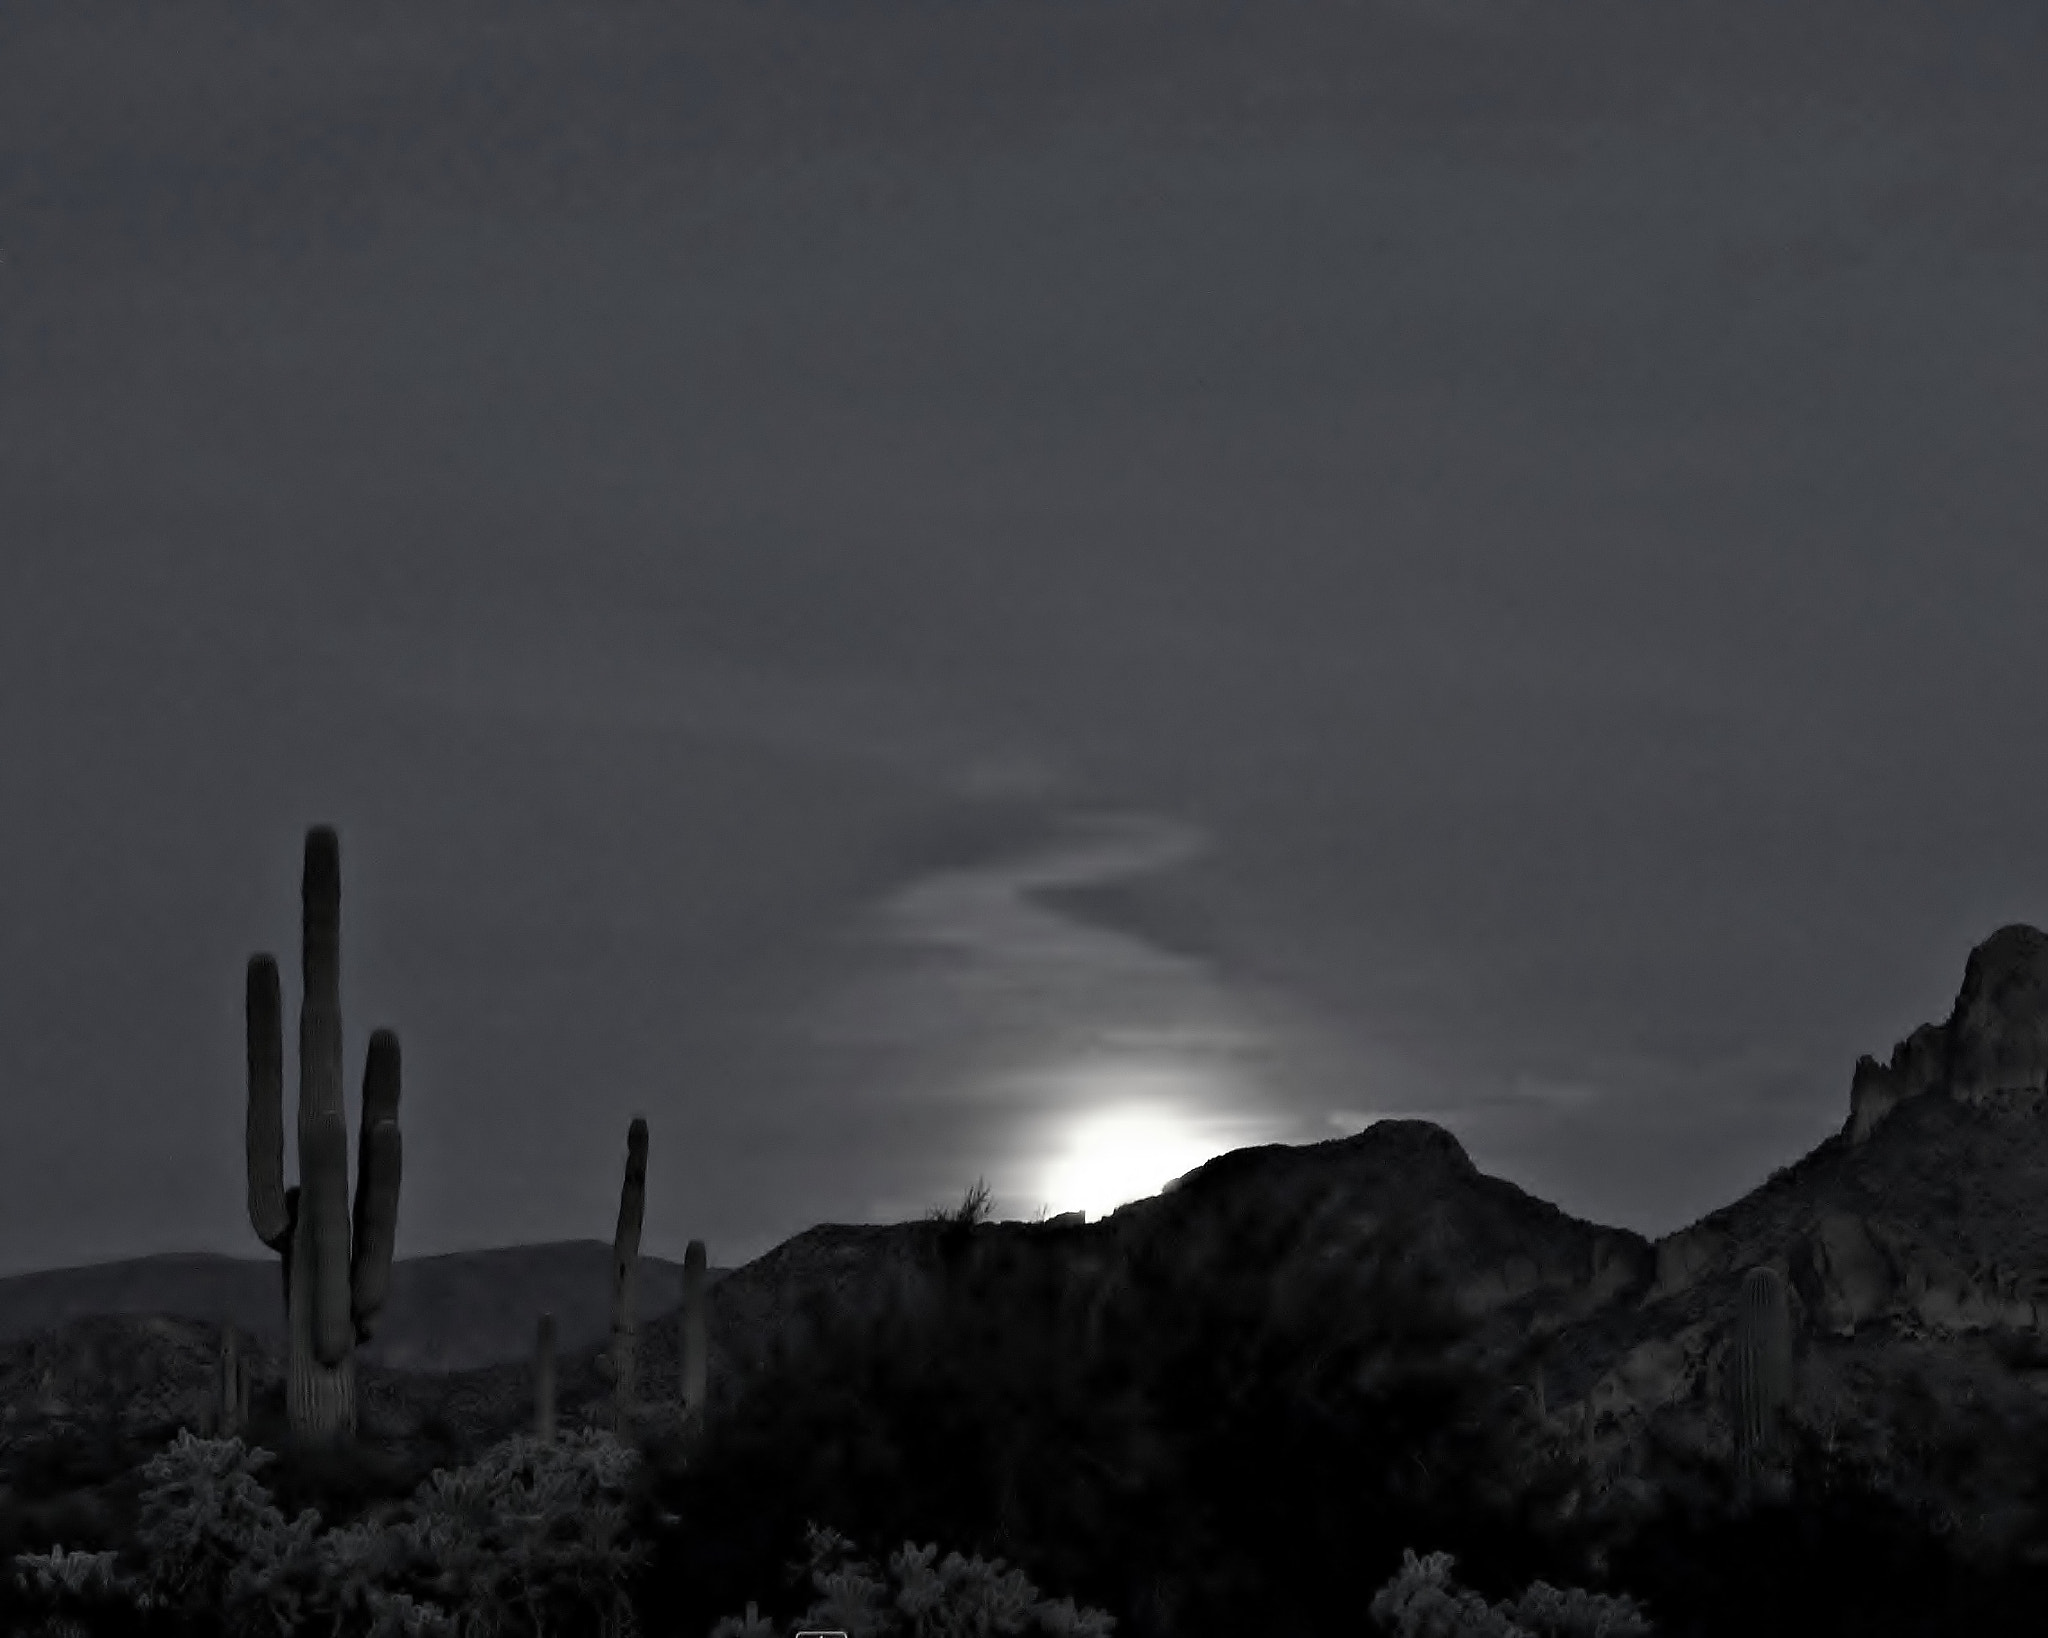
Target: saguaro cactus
(544,1380)
(695,1349)
(626,1269)
(232,1412)
(335,1276)
(1761,1370)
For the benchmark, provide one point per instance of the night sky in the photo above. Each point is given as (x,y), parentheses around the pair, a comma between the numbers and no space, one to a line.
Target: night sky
(1026,588)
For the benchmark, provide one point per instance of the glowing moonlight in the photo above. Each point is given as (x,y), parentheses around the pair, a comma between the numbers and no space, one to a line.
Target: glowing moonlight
(1125,1153)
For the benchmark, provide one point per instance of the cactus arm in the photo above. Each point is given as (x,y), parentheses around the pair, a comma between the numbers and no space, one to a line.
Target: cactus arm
(326,1161)
(265,1129)
(378,1167)
(291,1223)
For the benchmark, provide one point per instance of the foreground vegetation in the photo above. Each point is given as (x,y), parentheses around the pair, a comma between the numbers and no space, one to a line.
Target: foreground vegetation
(1226,1460)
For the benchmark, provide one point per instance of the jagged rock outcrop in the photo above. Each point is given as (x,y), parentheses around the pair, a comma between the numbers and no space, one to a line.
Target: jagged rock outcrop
(1994,1044)
(1917,1064)
(1998,1037)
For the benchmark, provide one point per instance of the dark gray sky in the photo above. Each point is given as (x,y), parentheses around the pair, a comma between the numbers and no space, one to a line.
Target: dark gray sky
(1034,588)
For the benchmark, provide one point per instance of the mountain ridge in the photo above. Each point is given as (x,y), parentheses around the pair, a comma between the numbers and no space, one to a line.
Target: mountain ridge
(1913,1242)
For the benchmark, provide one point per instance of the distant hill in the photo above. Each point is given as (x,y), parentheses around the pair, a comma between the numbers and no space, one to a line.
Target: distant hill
(455,1312)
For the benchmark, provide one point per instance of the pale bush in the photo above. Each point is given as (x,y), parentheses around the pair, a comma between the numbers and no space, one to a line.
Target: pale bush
(953,1597)
(527,1532)
(68,1587)
(1422,1601)
(206,1521)
(1572,1612)
(529,1539)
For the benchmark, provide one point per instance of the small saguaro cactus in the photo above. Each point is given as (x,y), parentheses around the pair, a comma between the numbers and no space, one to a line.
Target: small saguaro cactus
(626,1269)
(695,1349)
(544,1381)
(232,1411)
(336,1275)
(1760,1369)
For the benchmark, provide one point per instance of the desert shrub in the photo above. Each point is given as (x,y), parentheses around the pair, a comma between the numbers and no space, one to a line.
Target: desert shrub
(1573,1612)
(922,1596)
(535,1534)
(1422,1601)
(204,1512)
(526,1540)
(69,1595)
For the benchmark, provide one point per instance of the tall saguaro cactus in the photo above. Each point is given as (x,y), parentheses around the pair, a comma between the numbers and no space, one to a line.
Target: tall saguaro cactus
(1761,1365)
(336,1275)
(626,1270)
(695,1349)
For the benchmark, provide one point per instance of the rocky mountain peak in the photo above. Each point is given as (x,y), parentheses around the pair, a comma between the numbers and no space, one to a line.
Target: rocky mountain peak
(1998,1034)
(1995,1041)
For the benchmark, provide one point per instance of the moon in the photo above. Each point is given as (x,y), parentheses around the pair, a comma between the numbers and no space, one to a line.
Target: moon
(1124,1152)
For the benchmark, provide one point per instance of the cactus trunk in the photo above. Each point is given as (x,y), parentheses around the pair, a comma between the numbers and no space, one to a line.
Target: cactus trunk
(1762,1372)
(626,1270)
(320,1399)
(336,1273)
(230,1418)
(544,1381)
(695,1350)
(268,1212)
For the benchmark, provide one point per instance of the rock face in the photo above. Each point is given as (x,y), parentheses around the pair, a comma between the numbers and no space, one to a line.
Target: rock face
(1916,1247)
(1848,1276)
(1993,1046)
(1998,1035)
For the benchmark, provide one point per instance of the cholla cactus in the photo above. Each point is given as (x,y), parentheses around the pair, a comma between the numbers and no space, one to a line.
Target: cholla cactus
(336,1274)
(58,1577)
(928,1595)
(525,1526)
(206,1519)
(751,1625)
(519,1542)
(1572,1612)
(1422,1601)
